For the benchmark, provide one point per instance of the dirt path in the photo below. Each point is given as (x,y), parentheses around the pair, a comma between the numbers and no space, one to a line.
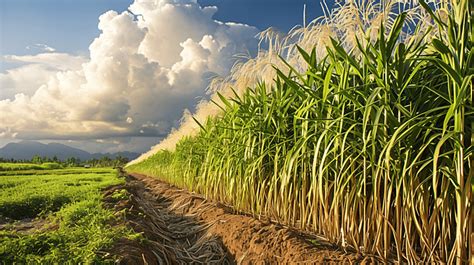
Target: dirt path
(183,228)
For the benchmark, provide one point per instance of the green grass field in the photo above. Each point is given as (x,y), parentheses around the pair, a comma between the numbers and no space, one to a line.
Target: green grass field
(28,166)
(65,207)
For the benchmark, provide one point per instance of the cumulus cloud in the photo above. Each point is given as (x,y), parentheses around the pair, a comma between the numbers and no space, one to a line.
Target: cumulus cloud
(146,67)
(34,71)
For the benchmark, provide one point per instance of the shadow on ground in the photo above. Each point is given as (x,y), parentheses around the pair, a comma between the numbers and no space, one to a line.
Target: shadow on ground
(180,227)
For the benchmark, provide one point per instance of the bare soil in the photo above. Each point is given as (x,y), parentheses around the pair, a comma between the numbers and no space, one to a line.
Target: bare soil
(26,226)
(180,227)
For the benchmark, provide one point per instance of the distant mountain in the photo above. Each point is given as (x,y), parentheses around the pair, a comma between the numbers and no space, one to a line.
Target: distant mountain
(25,150)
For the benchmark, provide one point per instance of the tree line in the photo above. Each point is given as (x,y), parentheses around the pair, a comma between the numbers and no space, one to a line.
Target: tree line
(104,161)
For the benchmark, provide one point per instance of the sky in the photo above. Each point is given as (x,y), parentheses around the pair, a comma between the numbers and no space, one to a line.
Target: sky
(113,75)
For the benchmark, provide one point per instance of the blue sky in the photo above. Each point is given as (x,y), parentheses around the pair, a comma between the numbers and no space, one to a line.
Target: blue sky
(71,25)
(67,25)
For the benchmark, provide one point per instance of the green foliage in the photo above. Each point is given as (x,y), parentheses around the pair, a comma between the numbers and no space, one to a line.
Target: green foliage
(28,166)
(83,230)
(27,196)
(77,228)
(51,165)
(121,194)
(371,148)
(62,171)
(38,162)
(106,161)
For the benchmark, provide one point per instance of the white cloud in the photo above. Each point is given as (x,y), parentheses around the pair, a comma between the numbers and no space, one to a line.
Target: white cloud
(144,70)
(34,71)
(56,61)
(41,47)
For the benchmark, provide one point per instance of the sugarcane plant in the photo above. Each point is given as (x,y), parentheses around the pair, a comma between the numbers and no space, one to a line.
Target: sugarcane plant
(370,146)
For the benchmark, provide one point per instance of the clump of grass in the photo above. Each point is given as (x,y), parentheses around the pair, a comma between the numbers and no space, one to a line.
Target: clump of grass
(369,145)
(51,165)
(120,194)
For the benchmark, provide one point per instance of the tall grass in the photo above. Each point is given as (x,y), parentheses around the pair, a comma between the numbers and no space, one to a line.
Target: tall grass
(368,143)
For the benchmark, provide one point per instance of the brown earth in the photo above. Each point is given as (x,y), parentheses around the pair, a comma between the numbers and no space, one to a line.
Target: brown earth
(180,227)
(26,226)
